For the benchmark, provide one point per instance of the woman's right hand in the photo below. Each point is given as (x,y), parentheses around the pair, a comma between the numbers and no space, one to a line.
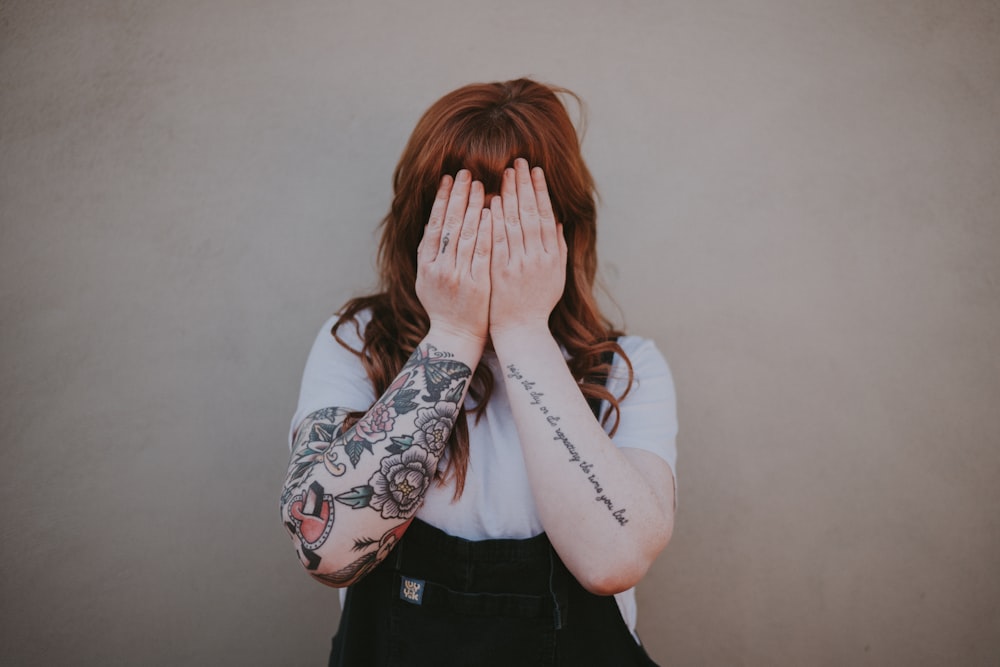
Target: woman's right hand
(453,260)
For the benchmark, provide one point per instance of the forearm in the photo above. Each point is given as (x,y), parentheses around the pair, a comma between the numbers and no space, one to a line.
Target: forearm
(605,518)
(350,493)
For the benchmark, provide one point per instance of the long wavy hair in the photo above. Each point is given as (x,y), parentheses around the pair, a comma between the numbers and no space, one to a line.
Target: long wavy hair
(483,128)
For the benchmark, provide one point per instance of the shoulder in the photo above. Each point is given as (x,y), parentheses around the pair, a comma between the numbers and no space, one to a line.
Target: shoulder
(339,343)
(646,359)
(334,375)
(648,407)
(351,330)
(636,346)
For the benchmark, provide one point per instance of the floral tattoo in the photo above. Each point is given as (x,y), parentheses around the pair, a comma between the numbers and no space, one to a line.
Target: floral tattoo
(397,488)
(431,386)
(435,426)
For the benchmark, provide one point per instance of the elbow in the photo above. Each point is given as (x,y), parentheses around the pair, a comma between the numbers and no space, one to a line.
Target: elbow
(335,578)
(330,572)
(611,578)
(325,569)
(338,570)
(624,569)
(309,528)
(610,583)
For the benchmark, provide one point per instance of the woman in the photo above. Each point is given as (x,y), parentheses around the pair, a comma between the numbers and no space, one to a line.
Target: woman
(447,465)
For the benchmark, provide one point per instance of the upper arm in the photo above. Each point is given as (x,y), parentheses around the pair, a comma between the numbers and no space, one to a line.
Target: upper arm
(647,429)
(333,378)
(658,476)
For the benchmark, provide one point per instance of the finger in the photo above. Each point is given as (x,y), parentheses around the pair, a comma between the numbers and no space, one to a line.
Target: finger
(466,241)
(512,224)
(546,218)
(454,216)
(427,250)
(527,208)
(500,253)
(484,247)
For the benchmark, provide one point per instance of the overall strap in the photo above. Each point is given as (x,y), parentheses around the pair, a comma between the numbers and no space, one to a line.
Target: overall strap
(601,378)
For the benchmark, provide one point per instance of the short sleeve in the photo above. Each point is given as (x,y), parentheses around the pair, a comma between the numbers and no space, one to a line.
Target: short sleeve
(333,376)
(648,418)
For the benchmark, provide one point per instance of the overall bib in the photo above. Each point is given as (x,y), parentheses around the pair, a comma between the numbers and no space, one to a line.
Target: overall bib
(442,600)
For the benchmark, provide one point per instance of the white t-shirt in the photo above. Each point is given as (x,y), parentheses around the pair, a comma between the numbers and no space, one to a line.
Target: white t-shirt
(497,502)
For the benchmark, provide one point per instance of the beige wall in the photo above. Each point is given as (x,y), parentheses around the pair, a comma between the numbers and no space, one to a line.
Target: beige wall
(800,204)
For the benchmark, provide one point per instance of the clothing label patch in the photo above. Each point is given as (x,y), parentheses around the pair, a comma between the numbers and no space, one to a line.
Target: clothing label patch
(411,590)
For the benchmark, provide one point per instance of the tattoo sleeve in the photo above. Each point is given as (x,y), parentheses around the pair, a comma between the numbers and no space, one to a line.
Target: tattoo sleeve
(384,464)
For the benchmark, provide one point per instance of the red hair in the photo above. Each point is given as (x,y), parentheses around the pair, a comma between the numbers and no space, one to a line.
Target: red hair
(483,128)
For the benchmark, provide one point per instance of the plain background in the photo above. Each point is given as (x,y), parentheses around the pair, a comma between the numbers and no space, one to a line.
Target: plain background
(799,204)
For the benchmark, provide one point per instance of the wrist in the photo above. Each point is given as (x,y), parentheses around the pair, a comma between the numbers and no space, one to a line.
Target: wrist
(521,333)
(466,346)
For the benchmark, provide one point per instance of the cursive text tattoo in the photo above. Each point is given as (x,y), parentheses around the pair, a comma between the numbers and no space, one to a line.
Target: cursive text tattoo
(560,436)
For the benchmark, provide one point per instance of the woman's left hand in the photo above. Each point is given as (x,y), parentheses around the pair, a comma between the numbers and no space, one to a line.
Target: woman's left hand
(605,510)
(528,265)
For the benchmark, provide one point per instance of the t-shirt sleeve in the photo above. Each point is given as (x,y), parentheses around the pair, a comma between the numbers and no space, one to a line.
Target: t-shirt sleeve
(648,418)
(333,376)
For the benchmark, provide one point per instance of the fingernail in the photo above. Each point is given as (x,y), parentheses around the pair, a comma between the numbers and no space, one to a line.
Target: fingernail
(463,175)
(520,162)
(537,171)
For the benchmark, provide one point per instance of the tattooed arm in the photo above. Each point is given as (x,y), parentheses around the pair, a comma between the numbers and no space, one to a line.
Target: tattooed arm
(350,493)
(607,511)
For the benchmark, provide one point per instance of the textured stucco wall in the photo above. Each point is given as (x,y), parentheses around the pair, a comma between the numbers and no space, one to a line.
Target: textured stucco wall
(800,204)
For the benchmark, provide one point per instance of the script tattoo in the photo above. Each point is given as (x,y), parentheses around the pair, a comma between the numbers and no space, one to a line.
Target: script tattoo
(560,436)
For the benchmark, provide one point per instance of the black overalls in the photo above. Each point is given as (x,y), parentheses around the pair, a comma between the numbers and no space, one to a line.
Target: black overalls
(441,600)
